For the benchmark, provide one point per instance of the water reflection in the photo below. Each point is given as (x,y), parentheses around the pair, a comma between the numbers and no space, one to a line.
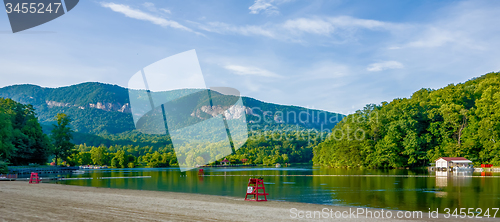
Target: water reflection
(461,178)
(441,178)
(390,189)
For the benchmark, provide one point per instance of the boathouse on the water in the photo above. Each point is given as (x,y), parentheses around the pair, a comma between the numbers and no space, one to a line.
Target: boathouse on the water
(450,162)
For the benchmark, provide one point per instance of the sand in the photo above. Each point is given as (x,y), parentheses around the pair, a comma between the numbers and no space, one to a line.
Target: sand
(20,201)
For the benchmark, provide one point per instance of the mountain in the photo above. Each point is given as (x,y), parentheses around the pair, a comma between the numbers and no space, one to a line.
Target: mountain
(104,109)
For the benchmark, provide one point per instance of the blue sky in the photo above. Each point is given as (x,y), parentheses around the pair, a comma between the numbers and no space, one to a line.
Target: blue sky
(330,55)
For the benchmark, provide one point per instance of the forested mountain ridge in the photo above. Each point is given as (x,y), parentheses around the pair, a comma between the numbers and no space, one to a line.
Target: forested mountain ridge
(104,127)
(92,106)
(78,95)
(99,108)
(461,120)
(103,108)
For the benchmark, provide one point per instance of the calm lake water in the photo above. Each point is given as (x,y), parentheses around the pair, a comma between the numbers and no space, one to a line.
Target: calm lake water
(389,189)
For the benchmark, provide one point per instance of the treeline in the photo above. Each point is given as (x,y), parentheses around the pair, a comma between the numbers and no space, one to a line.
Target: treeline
(269,148)
(262,148)
(134,138)
(118,156)
(460,120)
(22,140)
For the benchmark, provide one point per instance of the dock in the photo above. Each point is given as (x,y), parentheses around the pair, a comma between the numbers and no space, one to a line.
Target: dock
(13,178)
(20,171)
(230,165)
(27,178)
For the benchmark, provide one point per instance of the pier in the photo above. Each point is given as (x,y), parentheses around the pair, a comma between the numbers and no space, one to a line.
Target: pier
(15,178)
(231,165)
(26,171)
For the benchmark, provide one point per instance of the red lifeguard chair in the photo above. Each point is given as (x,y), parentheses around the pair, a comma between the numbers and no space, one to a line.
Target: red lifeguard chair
(34,178)
(254,185)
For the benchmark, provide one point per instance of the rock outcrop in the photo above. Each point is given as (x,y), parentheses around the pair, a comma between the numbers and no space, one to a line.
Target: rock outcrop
(233,112)
(111,107)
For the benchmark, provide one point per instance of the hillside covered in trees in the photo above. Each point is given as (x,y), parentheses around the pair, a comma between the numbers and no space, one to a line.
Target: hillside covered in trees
(460,120)
(266,149)
(104,131)
(99,108)
(22,140)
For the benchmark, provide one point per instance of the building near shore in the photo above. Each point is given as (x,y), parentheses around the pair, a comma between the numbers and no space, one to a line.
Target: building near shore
(450,162)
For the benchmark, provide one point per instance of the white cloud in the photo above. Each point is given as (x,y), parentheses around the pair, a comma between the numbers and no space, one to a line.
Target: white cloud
(326,70)
(433,38)
(329,25)
(138,14)
(249,70)
(266,6)
(165,10)
(348,21)
(463,26)
(249,30)
(262,5)
(380,66)
(341,27)
(150,6)
(458,44)
(430,36)
(314,26)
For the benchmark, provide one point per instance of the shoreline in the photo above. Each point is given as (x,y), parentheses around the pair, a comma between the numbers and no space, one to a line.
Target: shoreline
(21,201)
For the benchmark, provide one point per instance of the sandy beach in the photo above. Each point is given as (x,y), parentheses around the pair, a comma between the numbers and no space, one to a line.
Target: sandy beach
(20,201)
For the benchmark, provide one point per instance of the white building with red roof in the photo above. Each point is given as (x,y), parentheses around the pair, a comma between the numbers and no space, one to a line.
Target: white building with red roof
(450,162)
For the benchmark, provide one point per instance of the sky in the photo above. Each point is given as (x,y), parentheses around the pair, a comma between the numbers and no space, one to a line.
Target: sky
(331,55)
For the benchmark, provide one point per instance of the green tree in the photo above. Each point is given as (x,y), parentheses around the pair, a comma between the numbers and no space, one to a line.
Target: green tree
(22,140)
(98,155)
(6,137)
(61,137)
(3,167)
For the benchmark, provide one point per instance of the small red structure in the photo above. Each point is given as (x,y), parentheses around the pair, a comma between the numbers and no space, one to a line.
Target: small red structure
(34,178)
(225,161)
(201,172)
(254,185)
(486,165)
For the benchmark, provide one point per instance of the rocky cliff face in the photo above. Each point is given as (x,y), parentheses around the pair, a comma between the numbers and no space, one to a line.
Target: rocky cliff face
(112,107)
(125,108)
(233,112)
(51,104)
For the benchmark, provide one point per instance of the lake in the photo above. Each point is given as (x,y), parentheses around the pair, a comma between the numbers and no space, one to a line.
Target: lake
(388,189)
